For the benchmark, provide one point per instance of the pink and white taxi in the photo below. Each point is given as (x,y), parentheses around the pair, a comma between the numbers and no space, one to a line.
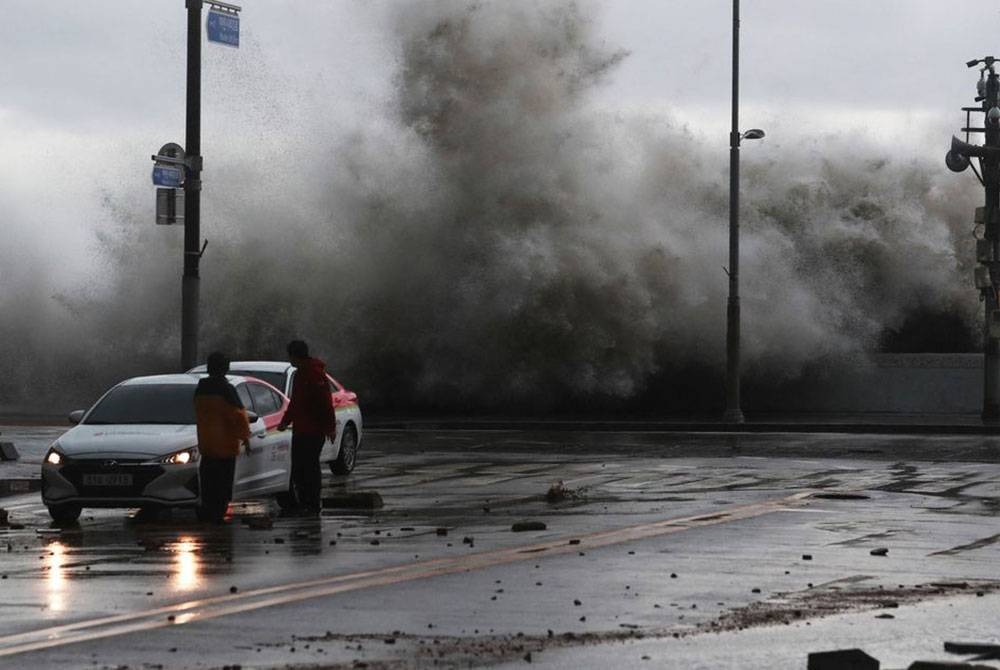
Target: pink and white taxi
(341,454)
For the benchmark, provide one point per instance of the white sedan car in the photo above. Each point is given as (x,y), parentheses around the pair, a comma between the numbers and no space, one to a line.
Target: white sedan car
(341,454)
(138,447)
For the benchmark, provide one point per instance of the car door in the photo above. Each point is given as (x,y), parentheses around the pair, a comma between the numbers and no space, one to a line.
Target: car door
(271,448)
(249,462)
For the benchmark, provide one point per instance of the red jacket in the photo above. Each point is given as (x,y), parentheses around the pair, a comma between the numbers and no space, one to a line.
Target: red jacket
(310,410)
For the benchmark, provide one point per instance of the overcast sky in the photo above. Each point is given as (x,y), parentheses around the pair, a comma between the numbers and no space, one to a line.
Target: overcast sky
(89,89)
(79,66)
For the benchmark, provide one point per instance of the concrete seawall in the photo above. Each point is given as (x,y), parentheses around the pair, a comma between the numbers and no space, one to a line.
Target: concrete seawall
(891,384)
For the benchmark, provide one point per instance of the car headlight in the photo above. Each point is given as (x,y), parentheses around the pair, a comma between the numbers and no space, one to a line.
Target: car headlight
(54,456)
(182,457)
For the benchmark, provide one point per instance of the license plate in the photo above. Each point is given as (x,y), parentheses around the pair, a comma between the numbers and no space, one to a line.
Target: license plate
(107,480)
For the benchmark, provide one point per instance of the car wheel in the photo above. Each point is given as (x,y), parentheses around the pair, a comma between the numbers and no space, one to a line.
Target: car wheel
(65,513)
(348,455)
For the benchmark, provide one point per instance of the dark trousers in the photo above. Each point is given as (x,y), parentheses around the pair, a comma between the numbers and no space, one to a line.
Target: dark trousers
(306,476)
(216,486)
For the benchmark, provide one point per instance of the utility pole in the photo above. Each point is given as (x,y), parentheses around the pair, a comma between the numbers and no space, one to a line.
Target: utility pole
(991,182)
(192,191)
(987,275)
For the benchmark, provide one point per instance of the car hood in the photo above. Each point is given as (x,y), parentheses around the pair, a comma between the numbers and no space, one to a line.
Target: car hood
(127,441)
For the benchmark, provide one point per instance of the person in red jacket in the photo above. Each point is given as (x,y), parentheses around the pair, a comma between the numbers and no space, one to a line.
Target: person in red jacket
(311,415)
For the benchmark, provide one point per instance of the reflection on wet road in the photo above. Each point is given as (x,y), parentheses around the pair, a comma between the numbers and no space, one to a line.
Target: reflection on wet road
(722,512)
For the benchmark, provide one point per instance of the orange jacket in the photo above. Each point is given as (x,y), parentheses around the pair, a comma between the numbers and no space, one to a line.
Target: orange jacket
(222,420)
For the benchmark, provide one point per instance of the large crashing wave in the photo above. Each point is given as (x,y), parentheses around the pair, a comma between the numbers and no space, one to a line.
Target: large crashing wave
(497,240)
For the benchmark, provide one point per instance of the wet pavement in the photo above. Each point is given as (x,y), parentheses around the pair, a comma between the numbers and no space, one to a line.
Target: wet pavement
(660,550)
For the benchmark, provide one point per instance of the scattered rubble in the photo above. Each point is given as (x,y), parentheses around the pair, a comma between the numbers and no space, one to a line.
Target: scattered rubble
(559,492)
(366,500)
(841,495)
(258,522)
(829,599)
(982,651)
(8,452)
(842,659)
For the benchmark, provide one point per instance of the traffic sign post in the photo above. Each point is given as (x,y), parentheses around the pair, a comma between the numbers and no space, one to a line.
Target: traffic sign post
(169,206)
(178,174)
(168,177)
(168,174)
(223,27)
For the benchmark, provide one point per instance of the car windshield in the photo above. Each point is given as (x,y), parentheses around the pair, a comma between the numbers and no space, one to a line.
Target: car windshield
(275,379)
(146,403)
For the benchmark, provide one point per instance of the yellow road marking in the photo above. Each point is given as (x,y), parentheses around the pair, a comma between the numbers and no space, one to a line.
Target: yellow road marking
(217,606)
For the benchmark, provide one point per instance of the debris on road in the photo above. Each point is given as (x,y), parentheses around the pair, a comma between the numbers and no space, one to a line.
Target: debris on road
(879,551)
(8,452)
(842,659)
(830,599)
(258,522)
(946,665)
(358,500)
(522,526)
(559,492)
(841,495)
(982,650)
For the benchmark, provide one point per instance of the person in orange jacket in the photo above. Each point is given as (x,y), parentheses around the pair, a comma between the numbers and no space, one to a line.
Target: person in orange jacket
(222,427)
(313,419)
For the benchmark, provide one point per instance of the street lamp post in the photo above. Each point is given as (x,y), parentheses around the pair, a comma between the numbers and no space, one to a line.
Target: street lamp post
(734,413)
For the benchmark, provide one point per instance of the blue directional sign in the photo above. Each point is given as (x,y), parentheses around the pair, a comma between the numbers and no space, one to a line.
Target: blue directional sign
(168,177)
(223,28)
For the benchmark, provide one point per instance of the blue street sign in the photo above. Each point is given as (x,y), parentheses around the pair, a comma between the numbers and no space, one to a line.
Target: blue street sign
(168,177)
(223,28)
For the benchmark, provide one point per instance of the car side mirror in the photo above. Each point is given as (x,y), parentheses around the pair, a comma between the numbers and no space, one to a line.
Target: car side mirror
(77,415)
(253,417)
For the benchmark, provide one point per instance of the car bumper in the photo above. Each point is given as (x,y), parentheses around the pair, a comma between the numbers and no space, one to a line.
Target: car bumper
(93,483)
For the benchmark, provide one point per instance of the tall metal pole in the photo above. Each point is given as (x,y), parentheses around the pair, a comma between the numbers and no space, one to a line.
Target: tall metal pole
(991,180)
(734,413)
(192,190)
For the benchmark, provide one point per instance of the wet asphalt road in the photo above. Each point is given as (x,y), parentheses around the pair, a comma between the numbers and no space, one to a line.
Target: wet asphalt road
(670,550)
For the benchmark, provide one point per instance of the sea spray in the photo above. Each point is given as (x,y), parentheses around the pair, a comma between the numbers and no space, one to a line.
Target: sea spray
(497,239)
